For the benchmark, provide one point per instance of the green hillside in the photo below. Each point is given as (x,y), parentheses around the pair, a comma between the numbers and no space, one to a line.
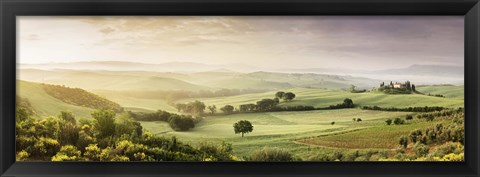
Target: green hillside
(45,104)
(80,97)
(450,91)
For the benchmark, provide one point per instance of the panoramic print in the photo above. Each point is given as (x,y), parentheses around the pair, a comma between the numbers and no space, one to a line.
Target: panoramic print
(240,88)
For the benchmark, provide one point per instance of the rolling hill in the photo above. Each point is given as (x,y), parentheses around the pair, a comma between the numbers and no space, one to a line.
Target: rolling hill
(449,91)
(45,103)
(103,80)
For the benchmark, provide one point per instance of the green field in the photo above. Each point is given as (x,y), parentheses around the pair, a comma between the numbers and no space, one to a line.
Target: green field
(278,129)
(449,91)
(326,97)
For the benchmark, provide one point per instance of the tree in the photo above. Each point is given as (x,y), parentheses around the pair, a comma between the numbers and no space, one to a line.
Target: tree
(398,121)
(180,107)
(67,116)
(276,100)
(403,141)
(348,103)
(359,120)
(181,122)
(104,122)
(289,96)
(413,87)
(279,94)
(227,109)
(408,117)
(389,121)
(332,123)
(247,107)
(197,107)
(352,88)
(266,104)
(243,127)
(212,109)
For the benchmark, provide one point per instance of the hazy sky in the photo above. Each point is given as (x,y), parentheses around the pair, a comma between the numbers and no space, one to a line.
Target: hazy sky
(362,42)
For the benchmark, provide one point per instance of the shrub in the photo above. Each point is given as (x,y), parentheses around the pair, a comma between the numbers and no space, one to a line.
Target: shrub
(67,153)
(92,153)
(272,155)
(403,141)
(22,155)
(398,121)
(420,149)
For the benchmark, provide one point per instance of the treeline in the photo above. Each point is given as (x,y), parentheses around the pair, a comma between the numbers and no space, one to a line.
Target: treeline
(443,113)
(80,97)
(106,137)
(173,95)
(409,109)
(177,122)
(271,105)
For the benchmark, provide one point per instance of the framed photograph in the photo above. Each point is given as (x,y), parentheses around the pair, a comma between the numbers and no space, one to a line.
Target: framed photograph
(239,88)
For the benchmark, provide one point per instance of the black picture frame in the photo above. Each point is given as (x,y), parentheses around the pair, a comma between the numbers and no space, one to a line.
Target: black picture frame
(9,9)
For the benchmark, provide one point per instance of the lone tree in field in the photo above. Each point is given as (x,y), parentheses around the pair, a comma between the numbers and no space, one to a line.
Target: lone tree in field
(289,96)
(227,109)
(243,126)
(212,109)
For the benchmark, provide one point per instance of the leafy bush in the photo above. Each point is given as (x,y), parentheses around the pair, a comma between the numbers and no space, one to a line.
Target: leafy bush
(272,155)
(388,121)
(67,153)
(398,121)
(420,149)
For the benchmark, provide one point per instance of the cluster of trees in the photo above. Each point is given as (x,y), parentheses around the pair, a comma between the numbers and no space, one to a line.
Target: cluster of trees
(177,122)
(399,121)
(106,137)
(409,109)
(80,97)
(288,96)
(195,108)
